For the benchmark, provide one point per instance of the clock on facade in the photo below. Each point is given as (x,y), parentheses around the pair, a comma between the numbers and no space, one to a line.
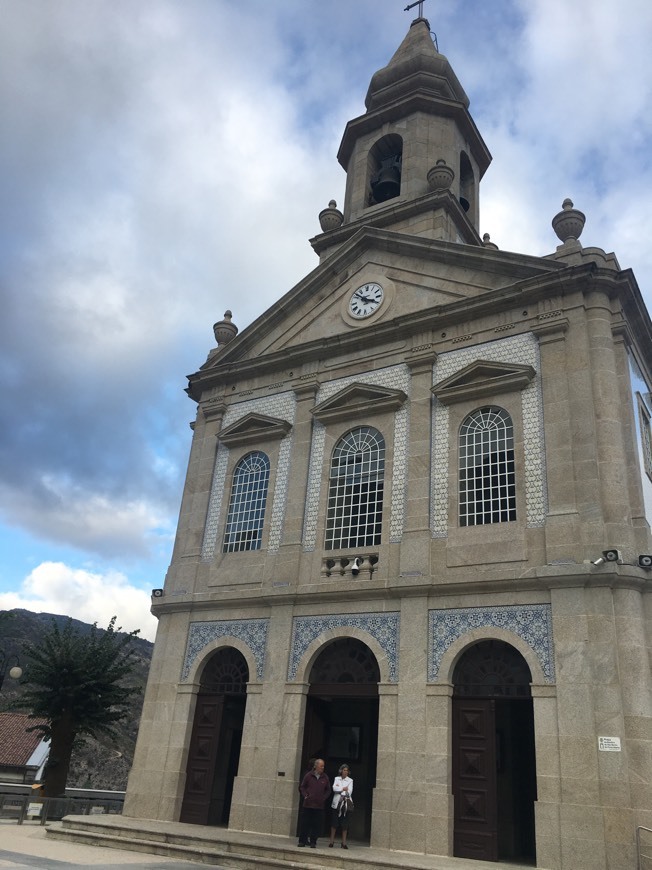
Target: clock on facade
(366,300)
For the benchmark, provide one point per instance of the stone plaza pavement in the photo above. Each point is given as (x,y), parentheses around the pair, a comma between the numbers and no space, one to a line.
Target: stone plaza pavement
(25,847)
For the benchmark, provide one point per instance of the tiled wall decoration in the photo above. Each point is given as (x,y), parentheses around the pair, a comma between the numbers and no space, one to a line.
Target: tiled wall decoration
(281,406)
(383,627)
(520,349)
(531,622)
(394,377)
(253,632)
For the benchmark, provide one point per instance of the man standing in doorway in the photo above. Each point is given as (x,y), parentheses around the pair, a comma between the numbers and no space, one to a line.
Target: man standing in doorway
(315,790)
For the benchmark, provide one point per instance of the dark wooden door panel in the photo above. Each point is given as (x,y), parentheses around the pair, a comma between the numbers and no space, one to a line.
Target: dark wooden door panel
(474,779)
(202,754)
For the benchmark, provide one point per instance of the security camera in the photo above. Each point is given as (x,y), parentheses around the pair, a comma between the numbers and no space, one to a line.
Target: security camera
(645,560)
(609,556)
(355,567)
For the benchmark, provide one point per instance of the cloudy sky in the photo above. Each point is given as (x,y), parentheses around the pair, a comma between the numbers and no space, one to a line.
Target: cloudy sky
(163,160)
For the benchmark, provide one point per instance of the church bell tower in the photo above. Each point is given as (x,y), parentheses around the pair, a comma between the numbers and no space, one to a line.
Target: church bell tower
(414,160)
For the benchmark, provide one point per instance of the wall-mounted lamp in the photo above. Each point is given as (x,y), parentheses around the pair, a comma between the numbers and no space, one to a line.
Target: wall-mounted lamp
(6,667)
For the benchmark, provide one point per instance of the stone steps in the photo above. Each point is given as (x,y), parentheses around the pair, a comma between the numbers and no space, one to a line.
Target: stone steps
(245,851)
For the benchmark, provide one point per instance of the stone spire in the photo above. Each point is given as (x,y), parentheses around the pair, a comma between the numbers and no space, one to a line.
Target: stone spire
(416,68)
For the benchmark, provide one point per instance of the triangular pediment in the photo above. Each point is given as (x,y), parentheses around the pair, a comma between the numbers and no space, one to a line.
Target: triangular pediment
(483,378)
(252,428)
(427,283)
(358,400)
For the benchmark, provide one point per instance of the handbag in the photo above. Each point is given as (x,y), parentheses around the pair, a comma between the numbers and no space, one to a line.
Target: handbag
(349,805)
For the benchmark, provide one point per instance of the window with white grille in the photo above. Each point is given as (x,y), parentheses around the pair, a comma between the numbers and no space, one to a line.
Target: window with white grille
(355,494)
(244,524)
(486,466)
(646,437)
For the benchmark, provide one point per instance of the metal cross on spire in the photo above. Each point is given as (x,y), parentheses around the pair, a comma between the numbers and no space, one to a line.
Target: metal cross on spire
(418,3)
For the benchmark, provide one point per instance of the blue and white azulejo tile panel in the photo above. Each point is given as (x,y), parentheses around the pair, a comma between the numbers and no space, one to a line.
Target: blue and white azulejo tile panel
(531,622)
(383,627)
(252,632)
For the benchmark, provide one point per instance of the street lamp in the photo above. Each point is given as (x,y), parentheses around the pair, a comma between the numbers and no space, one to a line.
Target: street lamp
(14,670)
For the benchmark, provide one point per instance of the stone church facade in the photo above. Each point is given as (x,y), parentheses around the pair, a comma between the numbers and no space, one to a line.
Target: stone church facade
(415,535)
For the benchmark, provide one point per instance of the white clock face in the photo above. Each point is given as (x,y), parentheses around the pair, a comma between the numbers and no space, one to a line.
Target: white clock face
(365,300)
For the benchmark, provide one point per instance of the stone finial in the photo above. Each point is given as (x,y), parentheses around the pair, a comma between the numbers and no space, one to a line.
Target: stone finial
(486,241)
(224,330)
(331,218)
(569,222)
(440,176)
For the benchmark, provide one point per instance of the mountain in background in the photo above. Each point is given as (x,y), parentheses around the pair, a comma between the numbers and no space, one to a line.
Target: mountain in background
(96,763)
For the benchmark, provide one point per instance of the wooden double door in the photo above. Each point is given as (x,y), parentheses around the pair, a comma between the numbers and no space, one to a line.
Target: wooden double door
(494,775)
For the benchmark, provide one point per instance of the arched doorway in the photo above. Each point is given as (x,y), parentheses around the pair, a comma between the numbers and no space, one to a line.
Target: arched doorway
(342,722)
(216,737)
(494,773)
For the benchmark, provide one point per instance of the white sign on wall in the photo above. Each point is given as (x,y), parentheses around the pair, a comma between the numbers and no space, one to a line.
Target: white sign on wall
(609,744)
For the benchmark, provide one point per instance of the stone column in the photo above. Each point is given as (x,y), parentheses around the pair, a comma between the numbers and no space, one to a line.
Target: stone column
(612,471)
(410,788)
(439,802)
(415,545)
(194,504)
(266,788)
(546,746)
(157,777)
(305,393)
(633,806)
(562,523)
(384,792)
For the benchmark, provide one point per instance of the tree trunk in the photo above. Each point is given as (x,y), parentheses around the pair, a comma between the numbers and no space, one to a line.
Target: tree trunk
(58,763)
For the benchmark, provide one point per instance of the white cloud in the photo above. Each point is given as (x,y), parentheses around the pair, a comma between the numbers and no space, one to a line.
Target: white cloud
(53,587)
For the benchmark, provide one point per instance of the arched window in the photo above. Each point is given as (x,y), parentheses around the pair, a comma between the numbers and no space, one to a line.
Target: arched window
(355,495)
(487,483)
(244,525)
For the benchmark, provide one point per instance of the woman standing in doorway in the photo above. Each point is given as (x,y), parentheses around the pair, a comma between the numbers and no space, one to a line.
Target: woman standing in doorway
(342,791)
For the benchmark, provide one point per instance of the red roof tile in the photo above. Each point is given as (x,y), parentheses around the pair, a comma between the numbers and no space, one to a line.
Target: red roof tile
(16,743)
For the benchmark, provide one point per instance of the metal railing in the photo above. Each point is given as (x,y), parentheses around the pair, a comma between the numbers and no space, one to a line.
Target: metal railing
(25,807)
(641,857)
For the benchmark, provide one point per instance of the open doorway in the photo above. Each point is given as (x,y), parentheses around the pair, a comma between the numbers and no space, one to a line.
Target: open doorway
(341,724)
(494,770)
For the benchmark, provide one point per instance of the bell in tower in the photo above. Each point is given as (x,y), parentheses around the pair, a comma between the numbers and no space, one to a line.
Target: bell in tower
(387,183)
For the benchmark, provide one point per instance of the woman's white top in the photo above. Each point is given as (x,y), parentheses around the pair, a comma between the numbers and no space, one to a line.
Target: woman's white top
(341,784)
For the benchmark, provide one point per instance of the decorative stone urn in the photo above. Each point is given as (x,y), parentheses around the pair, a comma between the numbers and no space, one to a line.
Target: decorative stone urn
(441,176)
(569,222)
(224,330)
(331,218)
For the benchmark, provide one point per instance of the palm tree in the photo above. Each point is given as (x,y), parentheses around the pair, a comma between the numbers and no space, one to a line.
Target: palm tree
(74,683)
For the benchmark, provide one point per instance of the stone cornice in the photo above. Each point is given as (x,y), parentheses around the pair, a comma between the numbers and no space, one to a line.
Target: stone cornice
(524,292)
(539,583)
